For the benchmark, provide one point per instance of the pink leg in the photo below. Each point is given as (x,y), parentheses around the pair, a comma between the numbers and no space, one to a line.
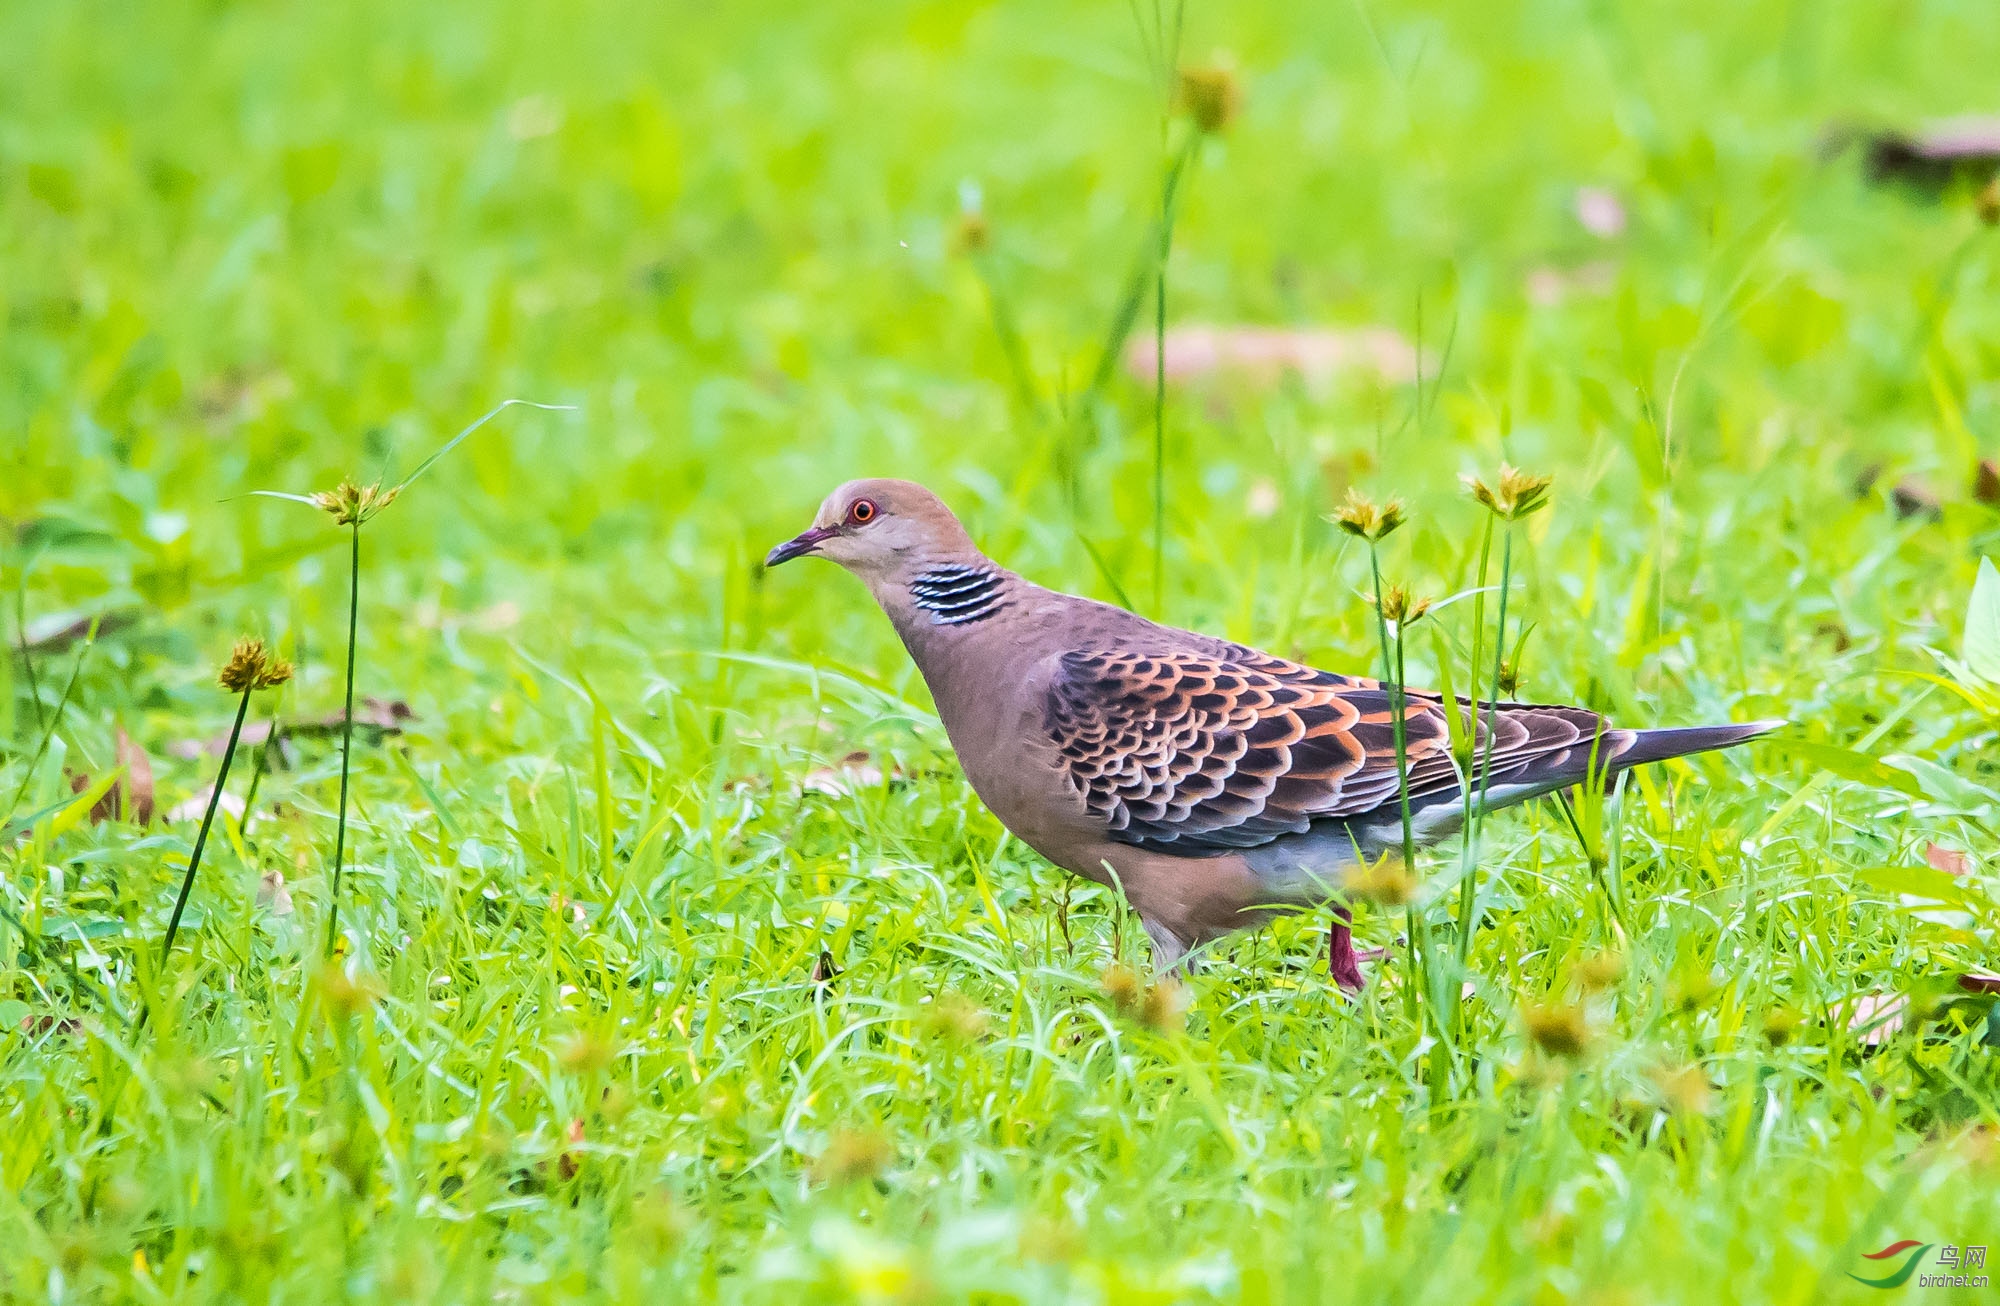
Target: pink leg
(1341,962)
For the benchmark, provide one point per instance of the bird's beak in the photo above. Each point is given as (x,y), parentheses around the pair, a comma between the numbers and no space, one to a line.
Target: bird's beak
(806,541)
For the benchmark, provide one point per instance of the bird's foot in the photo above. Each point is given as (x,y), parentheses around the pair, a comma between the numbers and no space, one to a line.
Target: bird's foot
(1341,962)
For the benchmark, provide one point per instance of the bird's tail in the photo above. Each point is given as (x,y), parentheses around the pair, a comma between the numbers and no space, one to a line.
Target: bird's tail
(1613,753)
(1680,741)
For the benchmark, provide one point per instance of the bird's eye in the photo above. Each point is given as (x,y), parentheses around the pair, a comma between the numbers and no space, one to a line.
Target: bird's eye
(862,512)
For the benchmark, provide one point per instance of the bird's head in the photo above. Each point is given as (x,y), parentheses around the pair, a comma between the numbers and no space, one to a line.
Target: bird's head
(877,528)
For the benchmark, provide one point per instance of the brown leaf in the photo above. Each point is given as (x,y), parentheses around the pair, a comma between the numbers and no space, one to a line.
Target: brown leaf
(824,971)
(570,1162)
(193,807)
(1875,1016)
(1913,497)
(59,630)
(1949,860)
(132,793)
(1316,355)
(272,895)
(1980,981)
(1547,284)
(853,772)
(47,1024)
(1986,482)
(375,719)
(138,781)
(1937,152)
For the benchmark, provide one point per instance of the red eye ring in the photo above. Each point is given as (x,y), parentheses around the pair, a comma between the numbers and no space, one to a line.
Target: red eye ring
(862,511)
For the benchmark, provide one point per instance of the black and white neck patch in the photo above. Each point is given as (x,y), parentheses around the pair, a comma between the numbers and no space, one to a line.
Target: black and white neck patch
(956,593)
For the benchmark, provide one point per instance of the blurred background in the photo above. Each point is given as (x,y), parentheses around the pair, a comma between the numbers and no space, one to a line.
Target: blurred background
(269,246)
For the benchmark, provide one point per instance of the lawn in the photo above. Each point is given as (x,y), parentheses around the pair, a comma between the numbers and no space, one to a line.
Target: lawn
(675,960)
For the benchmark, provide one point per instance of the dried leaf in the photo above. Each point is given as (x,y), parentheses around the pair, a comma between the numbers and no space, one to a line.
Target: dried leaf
(272,895)
(570,1161)
(192,808)
(1986,483)
(854,772)
(1949,860)
(138,782)
(1980,981)
(1876,1016)
(59,630)
(1913,497)
(375,719)
(1936,152)
(1262,355)
(1547,284)
(1601,212)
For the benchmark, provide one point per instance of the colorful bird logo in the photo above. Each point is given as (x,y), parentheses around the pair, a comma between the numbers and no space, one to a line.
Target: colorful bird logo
(1915,1252)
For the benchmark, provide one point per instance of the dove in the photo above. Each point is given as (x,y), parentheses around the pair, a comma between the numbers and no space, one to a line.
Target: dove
(1212,784)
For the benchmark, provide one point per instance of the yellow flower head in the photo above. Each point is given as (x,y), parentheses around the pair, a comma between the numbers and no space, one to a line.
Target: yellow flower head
(1210,95)
(1518,495)
(1400,608)
(1559,1030)
(1386,882)
(1363,517)
(349,503)
(250,667)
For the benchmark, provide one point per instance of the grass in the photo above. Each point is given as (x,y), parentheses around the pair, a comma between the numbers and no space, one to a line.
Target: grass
(577,1049)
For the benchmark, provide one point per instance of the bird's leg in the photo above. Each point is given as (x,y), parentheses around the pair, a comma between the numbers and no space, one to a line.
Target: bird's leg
(1169,953)
(1341,963)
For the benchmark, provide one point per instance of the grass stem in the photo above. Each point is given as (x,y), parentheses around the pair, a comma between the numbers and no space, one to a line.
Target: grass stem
(1391,677)
(346,738)
(207,820)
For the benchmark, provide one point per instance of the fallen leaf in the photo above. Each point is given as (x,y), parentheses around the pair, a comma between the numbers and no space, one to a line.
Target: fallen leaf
(1836,634)
(1547,284)
(375,719)
(272,895)
(1935,153)
(1980,981)
(1986,482)
(824,971)
(1913,497)
(1949,860)
(569,1162)
(106,808)
(59,630)
(46,1024)
(1263,501)
(192,808)
(1600,212)
(1316,355)
(857,770)
(137,786)
(1876,1016)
